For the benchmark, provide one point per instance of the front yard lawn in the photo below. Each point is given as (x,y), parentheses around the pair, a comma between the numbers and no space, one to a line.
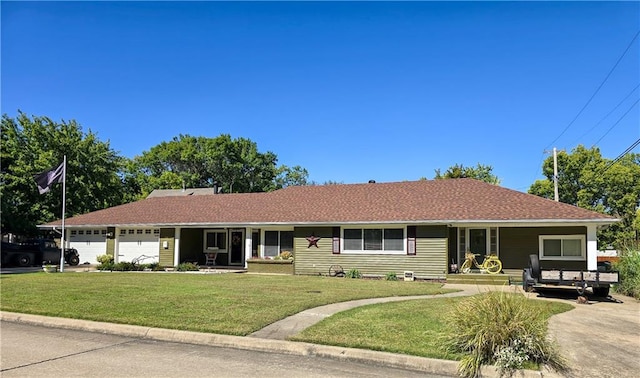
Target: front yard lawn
(408,327)
(236,304)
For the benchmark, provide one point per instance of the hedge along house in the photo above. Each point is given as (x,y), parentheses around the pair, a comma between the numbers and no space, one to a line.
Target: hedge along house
(419,226)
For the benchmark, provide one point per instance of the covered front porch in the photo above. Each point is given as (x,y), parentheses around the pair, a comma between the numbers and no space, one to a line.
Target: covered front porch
(565,246)
(220,247)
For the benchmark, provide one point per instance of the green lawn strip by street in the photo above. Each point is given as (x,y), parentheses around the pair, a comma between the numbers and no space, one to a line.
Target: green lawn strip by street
(235,304)
(408,327)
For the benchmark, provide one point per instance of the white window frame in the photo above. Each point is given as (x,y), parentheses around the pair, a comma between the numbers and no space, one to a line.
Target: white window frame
(218,249)
(263,240)
(374,252)
(583,248)
(464,239)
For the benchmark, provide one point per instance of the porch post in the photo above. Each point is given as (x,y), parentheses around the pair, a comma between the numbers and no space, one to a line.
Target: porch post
(592,248)
(176,247)
(116,245)
(248,245)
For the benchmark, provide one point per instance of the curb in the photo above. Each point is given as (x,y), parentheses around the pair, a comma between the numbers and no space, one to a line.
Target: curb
(400,361)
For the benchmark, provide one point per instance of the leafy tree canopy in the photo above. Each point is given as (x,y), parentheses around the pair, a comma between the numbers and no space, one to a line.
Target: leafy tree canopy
(36,144)
(588,180)
(235,165)
(479,172)
(291,176)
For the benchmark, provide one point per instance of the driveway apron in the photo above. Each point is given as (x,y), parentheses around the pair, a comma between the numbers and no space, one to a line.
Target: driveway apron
(600,339)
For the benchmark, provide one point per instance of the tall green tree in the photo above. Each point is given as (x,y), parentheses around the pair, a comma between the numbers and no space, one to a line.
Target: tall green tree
(235,165)
(35,144)
(291,176)
(588,180)
(479,172)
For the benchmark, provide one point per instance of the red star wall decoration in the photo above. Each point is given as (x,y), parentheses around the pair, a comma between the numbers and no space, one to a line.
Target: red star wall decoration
(313,240)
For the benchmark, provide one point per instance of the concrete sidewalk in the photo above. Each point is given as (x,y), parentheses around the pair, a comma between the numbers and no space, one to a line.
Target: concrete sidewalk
(287,327)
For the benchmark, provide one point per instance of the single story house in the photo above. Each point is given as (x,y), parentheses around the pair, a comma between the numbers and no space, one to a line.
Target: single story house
(420,226)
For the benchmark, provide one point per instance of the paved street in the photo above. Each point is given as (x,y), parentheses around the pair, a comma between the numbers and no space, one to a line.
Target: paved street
(34,351)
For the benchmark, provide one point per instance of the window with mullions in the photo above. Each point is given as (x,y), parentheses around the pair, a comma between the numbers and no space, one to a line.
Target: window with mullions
(562,247)
(215,240)
(276,242)
(373,239)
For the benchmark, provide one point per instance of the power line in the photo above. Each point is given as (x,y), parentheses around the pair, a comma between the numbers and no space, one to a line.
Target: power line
(597,90)
(618,121)
(636,143)
(607,115)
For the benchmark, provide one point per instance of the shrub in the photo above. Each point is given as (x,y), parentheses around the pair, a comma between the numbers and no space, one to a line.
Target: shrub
(629,268)
(187,267)
(104,259)
(353,273)
(391,276)
(504,329)
(105,262)
(107,266)
(156,267)
(124,266)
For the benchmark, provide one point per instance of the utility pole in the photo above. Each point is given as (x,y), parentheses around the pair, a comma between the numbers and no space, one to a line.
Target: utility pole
(555,175)
(556,195)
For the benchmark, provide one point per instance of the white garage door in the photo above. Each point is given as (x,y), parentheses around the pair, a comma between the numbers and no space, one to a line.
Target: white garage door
(142,244)
(90,244)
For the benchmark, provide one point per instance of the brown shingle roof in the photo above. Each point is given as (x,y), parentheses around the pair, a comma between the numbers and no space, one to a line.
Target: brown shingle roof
(451,200)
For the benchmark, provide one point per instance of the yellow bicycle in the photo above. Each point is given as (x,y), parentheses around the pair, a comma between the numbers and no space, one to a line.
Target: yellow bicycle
(491,263)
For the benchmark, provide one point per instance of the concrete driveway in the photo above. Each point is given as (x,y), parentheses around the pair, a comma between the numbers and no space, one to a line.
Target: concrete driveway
(600,339)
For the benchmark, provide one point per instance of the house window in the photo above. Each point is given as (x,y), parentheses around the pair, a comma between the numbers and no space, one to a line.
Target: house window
(255,242)
(123,232)
(388,240)
(73,232)
(215,240)
(462,240)
(276,242)
(562,247)
(493,241)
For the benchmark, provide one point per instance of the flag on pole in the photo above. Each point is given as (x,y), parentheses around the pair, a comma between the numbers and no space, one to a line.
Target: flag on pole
(46,179)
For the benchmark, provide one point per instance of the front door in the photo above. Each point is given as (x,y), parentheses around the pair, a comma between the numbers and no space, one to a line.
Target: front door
(478,241)
(236,251)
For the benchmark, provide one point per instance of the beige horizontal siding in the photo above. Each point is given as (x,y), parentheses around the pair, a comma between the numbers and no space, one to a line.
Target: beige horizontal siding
(166,255)
(429,262)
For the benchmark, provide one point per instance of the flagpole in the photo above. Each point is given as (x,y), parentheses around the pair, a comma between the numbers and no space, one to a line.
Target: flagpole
(64,203)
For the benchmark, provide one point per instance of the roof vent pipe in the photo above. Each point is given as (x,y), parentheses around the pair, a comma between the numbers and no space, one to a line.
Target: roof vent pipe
(215,187)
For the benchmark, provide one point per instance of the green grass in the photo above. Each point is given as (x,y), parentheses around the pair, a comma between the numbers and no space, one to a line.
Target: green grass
(408,327)
(236,304)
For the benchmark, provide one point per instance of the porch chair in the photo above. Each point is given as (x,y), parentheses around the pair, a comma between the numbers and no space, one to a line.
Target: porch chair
(210,258)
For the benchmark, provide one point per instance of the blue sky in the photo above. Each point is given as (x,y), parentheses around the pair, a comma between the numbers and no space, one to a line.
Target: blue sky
(351,91)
